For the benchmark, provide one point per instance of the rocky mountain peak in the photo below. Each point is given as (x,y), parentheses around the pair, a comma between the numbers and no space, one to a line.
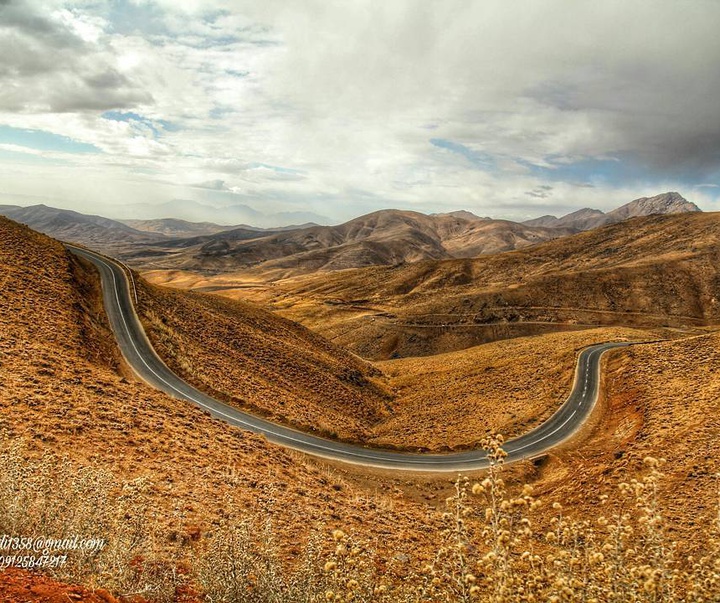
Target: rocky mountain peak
(665,203)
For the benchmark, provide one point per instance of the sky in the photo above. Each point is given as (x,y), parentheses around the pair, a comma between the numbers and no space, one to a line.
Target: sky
(275,112)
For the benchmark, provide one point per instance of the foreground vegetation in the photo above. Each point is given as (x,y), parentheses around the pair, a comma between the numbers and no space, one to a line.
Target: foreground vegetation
(496,545)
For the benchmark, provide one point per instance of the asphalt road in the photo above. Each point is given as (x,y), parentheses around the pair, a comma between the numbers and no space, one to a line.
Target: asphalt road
(143,359)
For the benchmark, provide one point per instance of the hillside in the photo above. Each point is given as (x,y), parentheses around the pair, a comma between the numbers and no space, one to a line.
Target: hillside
(179,485)
(587,219)
(263,363)
(270,366)
(175,228)
(649,271)
(662,401)
(104,234)
(387,237)
(64,391)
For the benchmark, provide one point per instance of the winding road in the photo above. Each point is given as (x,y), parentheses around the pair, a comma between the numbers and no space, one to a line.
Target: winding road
(142,358)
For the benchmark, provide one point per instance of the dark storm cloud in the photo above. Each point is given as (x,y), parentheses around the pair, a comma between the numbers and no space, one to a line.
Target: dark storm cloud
(658,98)
(47,67)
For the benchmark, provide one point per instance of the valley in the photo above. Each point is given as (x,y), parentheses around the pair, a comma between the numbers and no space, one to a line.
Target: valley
(359,302)
(385,357)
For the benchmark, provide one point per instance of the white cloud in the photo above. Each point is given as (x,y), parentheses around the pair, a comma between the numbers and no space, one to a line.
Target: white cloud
(345,97)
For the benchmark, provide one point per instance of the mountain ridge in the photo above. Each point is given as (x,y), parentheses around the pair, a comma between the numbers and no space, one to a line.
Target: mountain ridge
(587,218)
(385,237)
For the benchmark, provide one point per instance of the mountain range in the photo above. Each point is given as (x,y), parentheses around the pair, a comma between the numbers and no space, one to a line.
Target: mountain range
(587,219)
(386,237)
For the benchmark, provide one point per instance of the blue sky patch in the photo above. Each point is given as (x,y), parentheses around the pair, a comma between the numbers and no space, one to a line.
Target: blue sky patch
(41,140)
(621,169)
(158,126)
(479,159)
(588,170)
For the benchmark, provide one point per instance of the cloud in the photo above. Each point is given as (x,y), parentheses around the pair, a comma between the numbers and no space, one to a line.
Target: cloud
(540,192)
(214,185)
(340,108)
(48,66)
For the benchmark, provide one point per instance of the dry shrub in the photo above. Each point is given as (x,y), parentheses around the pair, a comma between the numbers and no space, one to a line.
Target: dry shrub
(50,497)
(492,547)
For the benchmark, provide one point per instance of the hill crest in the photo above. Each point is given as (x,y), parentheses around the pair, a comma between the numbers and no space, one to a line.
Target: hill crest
(587,218)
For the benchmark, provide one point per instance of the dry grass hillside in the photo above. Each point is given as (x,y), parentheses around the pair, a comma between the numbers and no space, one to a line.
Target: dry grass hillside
(61,394)
(273,367)
(263,363)
(181,485)
(454,400)
(645,272)
(662,400)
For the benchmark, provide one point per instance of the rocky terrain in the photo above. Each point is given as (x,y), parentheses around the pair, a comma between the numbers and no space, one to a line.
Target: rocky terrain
(587,219)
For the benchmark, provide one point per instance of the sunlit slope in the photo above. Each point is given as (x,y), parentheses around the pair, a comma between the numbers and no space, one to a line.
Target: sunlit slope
(63,390)
(648,272)
(261,362)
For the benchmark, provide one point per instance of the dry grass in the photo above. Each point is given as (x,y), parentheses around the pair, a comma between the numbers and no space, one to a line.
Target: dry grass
(661,400)
(263,363)
(267,365)
(60,391)
(646,272)
(84,425)
(454,400)
(495,543)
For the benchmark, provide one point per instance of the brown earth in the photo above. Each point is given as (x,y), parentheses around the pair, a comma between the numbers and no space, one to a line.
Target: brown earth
(644,272)
(60,391)
(20,586)
(454,400)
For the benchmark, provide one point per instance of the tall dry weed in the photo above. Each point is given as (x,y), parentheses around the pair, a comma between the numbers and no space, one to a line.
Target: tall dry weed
(495,545)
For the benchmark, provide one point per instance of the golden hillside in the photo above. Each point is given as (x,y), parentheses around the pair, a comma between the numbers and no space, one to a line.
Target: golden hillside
(644,272)
(264,363)
(63,393)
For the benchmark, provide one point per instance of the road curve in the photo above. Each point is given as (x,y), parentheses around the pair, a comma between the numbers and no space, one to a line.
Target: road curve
(140,355)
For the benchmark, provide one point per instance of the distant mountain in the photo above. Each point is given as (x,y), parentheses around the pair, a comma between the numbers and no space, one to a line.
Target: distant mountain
(651,271)
(175,228)
(192,211)
(386,237)
(383,238)
(587,219)
(582,219)
(462,213)
(667,203)
(178,229)
(66,225)
(546,221)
